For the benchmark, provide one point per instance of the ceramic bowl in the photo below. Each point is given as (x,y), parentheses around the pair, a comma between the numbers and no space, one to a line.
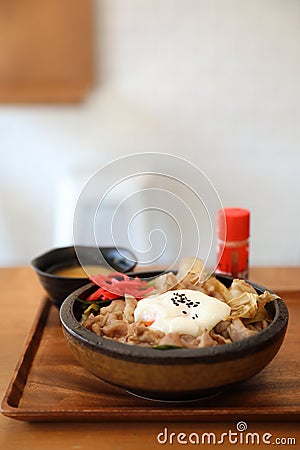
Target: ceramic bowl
(174,374)
(59,287)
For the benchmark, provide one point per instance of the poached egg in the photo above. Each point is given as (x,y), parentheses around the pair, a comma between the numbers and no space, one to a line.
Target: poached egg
(184,311)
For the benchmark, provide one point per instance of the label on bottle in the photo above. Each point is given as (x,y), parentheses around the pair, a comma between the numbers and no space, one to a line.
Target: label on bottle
(233,259)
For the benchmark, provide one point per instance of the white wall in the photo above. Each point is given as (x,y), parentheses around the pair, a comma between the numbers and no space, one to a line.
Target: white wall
(214,81)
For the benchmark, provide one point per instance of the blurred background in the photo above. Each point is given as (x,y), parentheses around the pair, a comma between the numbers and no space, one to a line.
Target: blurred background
(213,81)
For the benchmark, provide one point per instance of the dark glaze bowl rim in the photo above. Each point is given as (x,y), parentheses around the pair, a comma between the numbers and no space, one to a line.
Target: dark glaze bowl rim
(37,261)
(145,355)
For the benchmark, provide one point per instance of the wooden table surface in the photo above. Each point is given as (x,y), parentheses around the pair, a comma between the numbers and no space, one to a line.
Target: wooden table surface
(20,296)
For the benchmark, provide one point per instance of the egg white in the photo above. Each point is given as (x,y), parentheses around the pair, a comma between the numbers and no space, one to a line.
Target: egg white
(198,313)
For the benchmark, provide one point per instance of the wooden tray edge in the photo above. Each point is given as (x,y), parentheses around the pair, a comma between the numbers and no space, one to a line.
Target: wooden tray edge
(140,415)
(10,401)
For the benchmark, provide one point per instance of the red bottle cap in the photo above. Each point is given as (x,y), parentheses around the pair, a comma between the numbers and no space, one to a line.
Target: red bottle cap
(233,224)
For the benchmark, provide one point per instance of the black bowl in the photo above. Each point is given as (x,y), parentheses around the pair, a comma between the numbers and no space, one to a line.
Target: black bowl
(178,374)
(59,287)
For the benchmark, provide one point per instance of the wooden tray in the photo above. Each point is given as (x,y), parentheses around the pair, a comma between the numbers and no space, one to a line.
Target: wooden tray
(49,385)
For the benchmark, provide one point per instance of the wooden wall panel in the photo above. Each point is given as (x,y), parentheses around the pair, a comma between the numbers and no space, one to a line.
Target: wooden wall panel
(46,50)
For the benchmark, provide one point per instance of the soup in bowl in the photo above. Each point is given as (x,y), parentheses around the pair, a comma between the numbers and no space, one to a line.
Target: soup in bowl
(60,272)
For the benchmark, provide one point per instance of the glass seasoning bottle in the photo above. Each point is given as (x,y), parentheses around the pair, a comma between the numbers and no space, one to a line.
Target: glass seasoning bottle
(233,226)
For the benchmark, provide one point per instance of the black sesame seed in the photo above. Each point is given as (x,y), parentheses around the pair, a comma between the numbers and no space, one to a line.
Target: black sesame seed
(184,312)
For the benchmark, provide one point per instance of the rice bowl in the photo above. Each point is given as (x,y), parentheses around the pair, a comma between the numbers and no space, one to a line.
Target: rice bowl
(172,374)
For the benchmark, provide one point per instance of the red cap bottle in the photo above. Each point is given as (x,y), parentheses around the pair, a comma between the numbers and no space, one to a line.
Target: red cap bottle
(233,225)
